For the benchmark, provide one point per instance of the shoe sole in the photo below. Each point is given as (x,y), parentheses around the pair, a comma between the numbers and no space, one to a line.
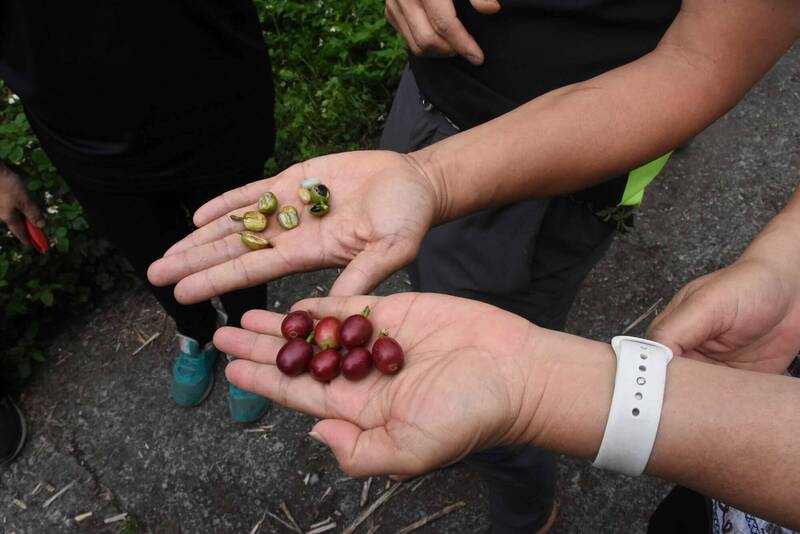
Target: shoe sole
(250,420)
(24,437)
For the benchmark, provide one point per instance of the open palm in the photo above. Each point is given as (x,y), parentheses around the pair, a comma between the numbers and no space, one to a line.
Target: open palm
(461,389)
(381,206)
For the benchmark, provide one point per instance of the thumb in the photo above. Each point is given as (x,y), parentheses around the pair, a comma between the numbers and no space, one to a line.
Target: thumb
(31,210)
(686,324)
(486,7)
(368,269)
(361,452)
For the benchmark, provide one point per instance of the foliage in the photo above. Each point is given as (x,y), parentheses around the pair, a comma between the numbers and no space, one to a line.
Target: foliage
(37,290)
(335,63)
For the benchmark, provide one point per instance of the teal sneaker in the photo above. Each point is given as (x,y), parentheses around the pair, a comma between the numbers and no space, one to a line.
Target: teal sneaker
(245,407)
(192,374)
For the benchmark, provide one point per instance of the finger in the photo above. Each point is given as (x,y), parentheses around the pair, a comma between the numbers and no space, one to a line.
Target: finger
(301,393)
(249,345)
(170,269)
(486,7)
(17,227)
(250,269)
(336,306)
(213,231)
(244,196)
(365,452)
(396,18)
(442,16)
(423,33)
(368,269)
(390,12)
(687,325)
(263,322)
(31,211)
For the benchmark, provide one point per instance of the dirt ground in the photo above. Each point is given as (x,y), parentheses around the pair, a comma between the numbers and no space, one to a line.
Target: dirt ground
(103,427)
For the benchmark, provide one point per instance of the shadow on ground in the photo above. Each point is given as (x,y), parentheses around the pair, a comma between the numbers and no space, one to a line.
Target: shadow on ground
(102,424)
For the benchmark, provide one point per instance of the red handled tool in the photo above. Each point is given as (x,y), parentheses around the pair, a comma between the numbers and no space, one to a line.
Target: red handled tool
(38,237)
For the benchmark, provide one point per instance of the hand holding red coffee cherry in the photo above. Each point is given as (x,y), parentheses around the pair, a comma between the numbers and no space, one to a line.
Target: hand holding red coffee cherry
(467,369)
(329,335)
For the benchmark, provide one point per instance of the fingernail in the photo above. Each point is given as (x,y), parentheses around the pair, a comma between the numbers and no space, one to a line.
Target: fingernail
(40,223)
(316,436)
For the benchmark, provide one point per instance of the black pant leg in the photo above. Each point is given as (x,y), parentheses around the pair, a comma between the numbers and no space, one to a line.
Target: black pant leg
(485,256)
(236,303)
(142,226)
(683,511)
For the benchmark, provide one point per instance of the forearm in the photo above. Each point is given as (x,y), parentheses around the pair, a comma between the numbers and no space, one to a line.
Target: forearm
(579,135)
(780,239)
(726,433)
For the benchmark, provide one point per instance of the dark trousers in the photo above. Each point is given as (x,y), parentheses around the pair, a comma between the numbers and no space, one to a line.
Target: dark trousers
(683,511)
(528,258)
(143,225)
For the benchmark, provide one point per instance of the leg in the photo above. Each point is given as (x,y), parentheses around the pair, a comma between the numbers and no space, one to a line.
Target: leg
(485,256)
(144,239)
(683,511)
(244,407)
(236,303)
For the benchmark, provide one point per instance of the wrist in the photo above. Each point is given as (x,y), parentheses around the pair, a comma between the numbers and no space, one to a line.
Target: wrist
(574,384)
(427,162)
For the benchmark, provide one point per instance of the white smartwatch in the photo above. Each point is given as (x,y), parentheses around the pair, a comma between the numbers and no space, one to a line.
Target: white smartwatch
(636,405)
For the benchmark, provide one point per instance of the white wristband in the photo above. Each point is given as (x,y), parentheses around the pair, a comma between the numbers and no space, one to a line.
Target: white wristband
(636,405)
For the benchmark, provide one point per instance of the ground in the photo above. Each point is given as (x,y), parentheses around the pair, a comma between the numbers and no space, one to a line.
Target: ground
(102,425)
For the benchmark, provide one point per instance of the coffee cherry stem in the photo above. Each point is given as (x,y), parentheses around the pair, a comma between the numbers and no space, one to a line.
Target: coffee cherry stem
(383,333)
(310,338)
(366,311)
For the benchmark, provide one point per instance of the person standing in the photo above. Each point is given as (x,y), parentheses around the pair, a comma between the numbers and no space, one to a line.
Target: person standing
(531,257)
(147,110)
(512,209)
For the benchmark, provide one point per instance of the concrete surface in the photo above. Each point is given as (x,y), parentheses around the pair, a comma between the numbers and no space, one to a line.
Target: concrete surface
(101,418)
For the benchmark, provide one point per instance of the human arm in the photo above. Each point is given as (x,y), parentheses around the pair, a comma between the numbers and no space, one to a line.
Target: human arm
(476,377)
(563,141)
(746,315)
(576,136)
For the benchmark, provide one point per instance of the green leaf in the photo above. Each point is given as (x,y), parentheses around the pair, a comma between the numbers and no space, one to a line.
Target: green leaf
(62,244)
(46,297)
(40,159)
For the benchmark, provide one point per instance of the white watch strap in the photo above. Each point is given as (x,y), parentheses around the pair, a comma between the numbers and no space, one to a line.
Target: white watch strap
(636,405)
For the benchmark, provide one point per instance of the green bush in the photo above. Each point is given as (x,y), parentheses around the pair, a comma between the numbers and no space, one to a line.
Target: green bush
(336,64)
(37,290)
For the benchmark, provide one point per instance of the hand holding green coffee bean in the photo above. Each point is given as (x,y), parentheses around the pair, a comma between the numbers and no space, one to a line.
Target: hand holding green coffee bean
(370,217)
